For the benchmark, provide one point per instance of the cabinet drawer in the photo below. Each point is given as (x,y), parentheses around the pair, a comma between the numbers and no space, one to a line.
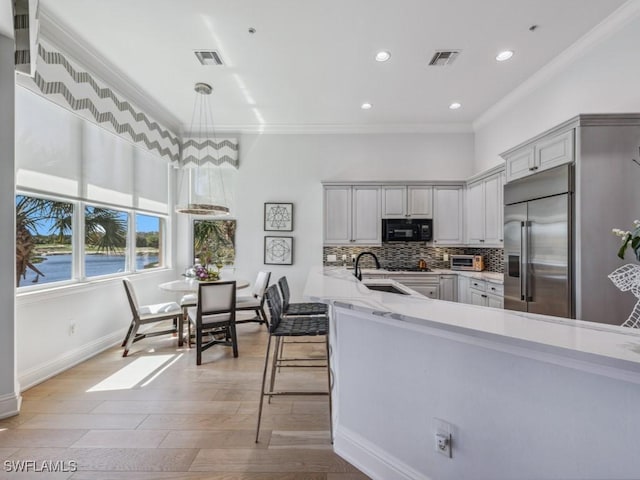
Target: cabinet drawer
(479,285)
(495,288)
(431,291)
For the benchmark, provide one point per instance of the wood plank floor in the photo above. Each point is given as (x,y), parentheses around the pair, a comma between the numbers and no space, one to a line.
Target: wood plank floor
(156,415)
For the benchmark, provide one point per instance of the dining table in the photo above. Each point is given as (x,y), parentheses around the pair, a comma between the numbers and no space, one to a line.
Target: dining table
(190,284)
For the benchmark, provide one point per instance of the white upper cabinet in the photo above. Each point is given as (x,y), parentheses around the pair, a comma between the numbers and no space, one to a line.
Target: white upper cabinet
(485,209)
(420,201)
(541,155)
(352,215)
(394,202)
(366,222)
(414,201)
(447,215)
(494,210)
(337,215)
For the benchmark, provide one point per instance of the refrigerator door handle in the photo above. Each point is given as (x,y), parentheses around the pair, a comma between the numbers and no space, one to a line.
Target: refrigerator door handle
(527,292)
(523,260)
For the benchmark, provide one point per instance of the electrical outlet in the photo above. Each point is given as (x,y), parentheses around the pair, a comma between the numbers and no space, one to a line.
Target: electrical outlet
(443,444)
(445,257)
(331,258)
(72,329)
(443,436)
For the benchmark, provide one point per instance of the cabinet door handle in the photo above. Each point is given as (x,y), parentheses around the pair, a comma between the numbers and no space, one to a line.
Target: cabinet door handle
(533,169)
(483,296)
(482,240)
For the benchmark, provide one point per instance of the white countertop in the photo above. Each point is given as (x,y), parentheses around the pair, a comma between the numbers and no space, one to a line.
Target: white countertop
(614,351)
(493,277)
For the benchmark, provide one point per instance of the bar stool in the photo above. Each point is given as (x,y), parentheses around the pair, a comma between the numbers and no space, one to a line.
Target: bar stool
(291,326)
(300,308)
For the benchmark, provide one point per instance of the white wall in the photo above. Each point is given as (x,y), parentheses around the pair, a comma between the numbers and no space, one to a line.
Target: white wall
(9,401)
(99,312)
(603,80)
(290,168)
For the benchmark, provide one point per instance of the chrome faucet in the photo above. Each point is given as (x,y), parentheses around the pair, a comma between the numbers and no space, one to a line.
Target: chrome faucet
(358,273)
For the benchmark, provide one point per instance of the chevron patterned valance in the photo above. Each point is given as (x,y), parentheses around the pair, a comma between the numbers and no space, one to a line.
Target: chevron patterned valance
(69,85)
(201,151)
(25,27)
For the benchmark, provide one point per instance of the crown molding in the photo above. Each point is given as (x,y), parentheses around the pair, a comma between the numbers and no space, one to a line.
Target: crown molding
(324,129)
(53,30)
(610,25)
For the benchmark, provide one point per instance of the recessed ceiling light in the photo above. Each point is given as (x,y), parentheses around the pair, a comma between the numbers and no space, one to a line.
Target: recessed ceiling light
(382,56)
(455,106)
(366,106)
(504,55)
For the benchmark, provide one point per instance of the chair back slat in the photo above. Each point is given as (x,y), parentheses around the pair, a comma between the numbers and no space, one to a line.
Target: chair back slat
(275,306)
(131,297)
(218,297)
(261,284)
(286,294)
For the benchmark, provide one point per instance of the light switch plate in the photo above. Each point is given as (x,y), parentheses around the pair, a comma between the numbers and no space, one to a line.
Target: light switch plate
(331,258)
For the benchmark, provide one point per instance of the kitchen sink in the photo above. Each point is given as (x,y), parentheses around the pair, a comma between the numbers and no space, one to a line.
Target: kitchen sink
(385,288)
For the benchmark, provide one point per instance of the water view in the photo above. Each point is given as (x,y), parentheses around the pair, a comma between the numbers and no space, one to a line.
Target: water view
(56,268)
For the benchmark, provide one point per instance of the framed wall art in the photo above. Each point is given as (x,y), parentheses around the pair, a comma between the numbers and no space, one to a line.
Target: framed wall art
(278,250)
(278,217)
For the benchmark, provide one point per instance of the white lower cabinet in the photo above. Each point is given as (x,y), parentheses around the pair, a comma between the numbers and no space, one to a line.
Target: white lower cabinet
(448,288)
(427,285)
(486,294)
(452,287)
(464,284)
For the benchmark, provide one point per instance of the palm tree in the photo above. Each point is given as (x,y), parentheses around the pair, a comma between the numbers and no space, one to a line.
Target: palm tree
(213,240)
(104,229)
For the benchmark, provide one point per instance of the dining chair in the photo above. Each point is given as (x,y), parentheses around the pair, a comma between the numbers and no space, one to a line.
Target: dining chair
(145,314)
(255,301)
(291,326)
(215,316)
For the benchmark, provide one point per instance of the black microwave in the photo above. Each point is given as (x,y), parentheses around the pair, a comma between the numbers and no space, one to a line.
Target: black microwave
(410,230)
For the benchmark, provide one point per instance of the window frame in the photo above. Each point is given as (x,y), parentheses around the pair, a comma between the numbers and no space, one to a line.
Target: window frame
(78,272)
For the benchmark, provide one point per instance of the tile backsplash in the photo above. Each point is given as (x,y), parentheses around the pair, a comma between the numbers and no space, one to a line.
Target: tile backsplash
(406,255)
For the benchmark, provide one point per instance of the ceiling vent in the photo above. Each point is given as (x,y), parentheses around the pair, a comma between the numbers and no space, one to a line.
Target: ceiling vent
(209,57)
(443,57)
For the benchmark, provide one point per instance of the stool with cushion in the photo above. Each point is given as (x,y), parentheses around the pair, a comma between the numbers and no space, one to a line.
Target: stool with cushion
(145,314)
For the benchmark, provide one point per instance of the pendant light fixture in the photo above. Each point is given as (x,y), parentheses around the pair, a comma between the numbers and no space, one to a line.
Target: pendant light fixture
(200,162)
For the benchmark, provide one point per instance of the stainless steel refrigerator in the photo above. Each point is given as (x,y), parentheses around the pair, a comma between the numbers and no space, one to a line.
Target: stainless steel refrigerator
(538,243)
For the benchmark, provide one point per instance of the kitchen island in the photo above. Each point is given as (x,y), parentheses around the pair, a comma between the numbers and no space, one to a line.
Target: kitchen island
(523,396)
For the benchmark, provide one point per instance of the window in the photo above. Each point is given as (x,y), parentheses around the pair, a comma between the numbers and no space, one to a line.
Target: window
(43,240)
(105,241)
(214,242)
(85,196)
(149,234)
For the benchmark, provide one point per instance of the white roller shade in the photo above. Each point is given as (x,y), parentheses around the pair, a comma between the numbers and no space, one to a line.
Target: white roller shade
(48,145)
(151,181)
(61,153)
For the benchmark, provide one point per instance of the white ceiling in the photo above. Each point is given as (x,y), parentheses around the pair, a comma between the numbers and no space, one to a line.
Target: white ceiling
(310,65)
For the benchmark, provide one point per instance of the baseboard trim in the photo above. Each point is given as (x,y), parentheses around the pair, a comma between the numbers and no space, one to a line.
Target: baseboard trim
(10,405)
(42,372)
(371,459)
